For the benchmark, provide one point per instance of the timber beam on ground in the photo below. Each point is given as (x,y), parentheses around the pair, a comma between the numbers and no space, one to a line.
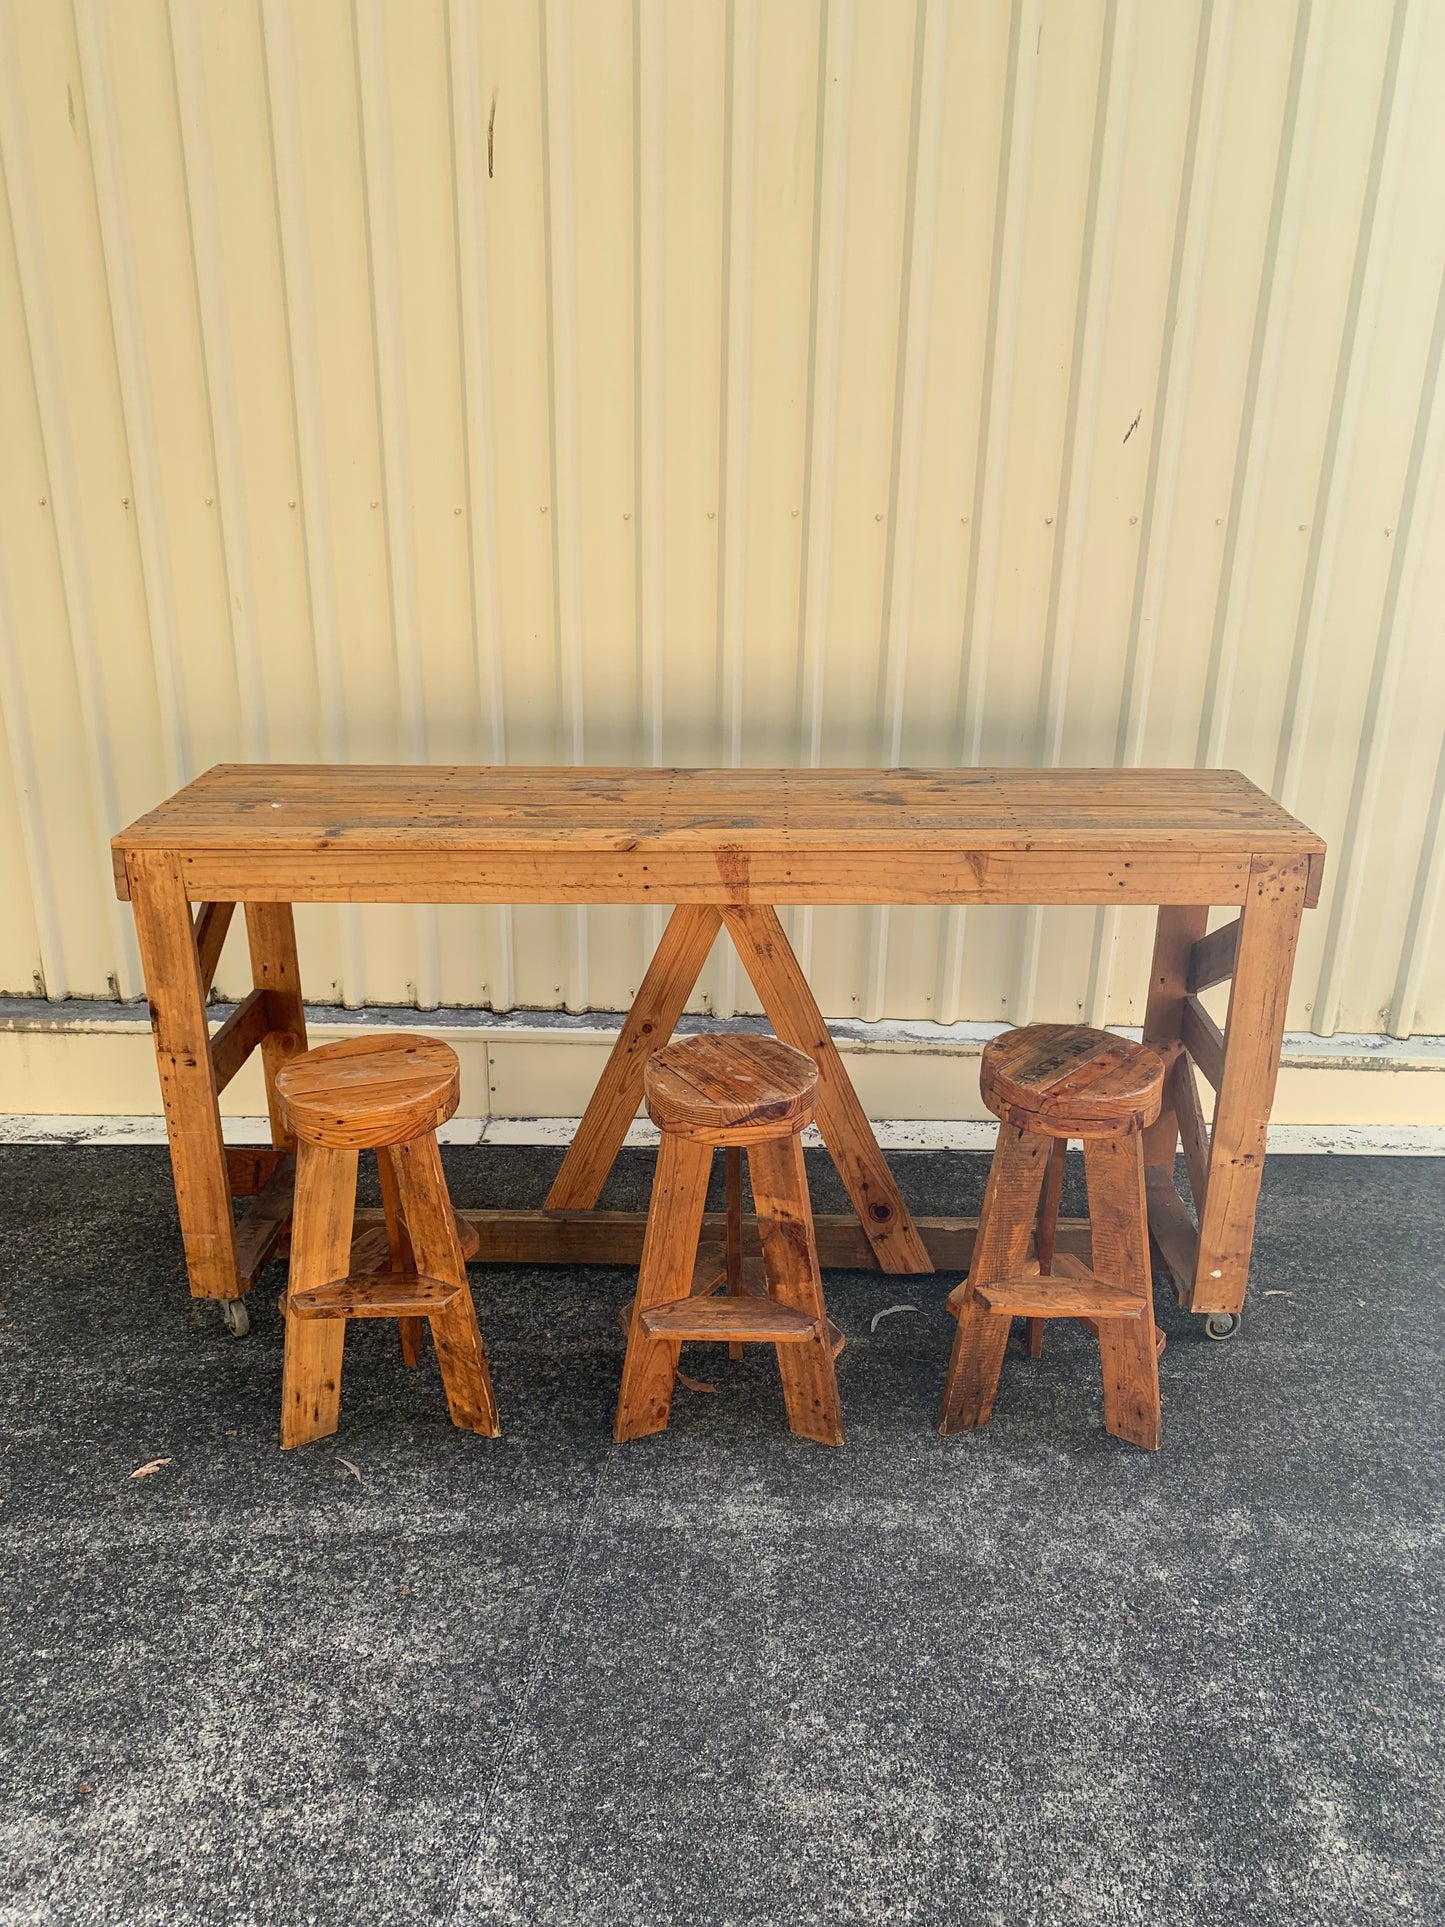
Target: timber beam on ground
(615,1237)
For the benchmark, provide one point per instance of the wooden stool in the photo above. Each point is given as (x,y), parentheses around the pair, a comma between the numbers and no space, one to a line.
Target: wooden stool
(386,1094)
(734,1091)
(1046,1084)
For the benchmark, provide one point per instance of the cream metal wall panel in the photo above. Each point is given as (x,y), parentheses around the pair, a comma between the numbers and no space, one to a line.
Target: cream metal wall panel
(825,381)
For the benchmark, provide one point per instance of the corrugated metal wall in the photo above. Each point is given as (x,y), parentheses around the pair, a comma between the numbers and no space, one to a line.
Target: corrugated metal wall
(747,382)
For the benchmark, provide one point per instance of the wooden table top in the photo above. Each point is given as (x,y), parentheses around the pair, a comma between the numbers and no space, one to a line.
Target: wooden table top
(392,833)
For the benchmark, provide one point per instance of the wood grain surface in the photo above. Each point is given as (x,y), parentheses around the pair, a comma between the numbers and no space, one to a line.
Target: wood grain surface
(447,834)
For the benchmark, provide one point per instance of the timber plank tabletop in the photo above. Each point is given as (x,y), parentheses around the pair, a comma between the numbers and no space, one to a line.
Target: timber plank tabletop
(239,828)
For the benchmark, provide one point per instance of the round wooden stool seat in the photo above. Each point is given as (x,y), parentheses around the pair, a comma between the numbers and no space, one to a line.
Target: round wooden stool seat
(1068,1081)
(365,1092)
(731,1089)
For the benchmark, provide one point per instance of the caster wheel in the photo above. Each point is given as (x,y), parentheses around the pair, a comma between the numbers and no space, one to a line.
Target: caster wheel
(1220,1325)
(235,1317)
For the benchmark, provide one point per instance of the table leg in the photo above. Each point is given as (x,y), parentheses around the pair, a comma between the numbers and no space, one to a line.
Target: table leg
(1253,1037)
(188,1085)
(271,932)
(1179,928)
(660,1001)
(793,1013)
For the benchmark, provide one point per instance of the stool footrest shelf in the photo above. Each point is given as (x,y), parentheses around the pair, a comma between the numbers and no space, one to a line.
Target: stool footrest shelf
(761,1320)
(377,1294)
(1073,1292)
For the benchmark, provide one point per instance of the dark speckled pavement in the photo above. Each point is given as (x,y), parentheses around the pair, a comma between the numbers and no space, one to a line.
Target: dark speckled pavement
(1027,1676)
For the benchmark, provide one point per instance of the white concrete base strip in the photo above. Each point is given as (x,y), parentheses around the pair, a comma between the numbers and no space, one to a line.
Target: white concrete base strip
(894,1134)
(38,1128)
(97,1059)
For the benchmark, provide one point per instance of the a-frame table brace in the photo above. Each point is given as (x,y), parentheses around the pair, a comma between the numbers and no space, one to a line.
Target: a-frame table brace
(767,956)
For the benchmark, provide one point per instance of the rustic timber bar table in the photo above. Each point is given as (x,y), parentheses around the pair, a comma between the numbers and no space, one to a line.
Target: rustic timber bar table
(723,847)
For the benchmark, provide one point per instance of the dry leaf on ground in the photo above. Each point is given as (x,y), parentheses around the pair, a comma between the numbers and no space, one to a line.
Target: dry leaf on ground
(887,1312)
(354,1470)
(152,1465)
(694,1384)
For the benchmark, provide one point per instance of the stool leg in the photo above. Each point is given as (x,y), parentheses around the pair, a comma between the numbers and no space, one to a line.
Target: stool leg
(402,1257)
(1045,1232)
(1000,1251)
(321,1228)
(733,1176)
(669,1248)
(432,1227)
(790,1265)
(1118,1227)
